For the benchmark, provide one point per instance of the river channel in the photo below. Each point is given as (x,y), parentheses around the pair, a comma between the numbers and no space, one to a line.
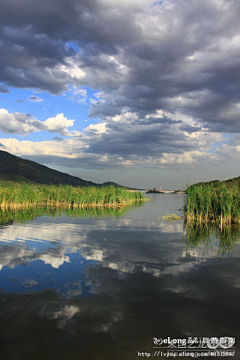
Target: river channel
(117,285)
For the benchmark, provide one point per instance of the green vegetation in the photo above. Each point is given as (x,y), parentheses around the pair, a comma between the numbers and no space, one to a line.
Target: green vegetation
(13,180)
(215,202)
(25,195)
(208,234)
(215,183)
(171,217)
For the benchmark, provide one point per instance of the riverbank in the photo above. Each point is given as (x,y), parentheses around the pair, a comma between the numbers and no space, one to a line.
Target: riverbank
(25,195)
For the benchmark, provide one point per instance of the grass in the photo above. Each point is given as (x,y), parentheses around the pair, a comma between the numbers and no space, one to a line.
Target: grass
(213,202)
(171,217)
(7,180)
(25,195)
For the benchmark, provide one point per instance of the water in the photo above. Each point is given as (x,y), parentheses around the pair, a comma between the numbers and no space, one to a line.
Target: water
(89,287)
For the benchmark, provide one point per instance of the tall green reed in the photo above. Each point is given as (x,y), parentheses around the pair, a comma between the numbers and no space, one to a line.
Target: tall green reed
(211,202)
(65,195)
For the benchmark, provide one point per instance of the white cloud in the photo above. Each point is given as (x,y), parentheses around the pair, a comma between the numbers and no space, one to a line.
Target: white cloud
(96,129)
(24,124)
(26,147)
(77,95)
(16,123)
(59,124)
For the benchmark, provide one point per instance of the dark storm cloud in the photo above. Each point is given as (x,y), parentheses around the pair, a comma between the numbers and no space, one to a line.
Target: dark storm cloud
(189,129)
(139,140)
(153,45)
(156,120)
(4,89)
(35,42)
(86,162)
(177,56)
(193,66)
(34,98)
(69,19)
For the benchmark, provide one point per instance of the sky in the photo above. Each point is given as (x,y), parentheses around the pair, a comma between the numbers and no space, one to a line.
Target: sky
(139,92)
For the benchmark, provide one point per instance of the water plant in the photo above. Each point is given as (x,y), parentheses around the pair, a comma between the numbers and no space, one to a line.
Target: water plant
(213,202)
(66,196)
(171,217)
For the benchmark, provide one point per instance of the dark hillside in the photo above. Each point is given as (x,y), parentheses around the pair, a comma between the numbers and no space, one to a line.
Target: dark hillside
(13,165)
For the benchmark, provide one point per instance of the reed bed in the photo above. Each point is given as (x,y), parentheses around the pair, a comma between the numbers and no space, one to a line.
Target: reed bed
(213,203)
(27,195)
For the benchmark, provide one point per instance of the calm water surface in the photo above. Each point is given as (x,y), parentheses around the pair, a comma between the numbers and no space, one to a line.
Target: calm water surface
(82,288)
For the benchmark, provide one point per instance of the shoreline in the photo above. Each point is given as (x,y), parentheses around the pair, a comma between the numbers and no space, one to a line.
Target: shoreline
(57,205)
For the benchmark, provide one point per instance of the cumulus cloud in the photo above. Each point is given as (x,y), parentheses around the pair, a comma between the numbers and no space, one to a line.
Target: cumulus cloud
(58,124)
(15,123)
(24,124)
(125,141)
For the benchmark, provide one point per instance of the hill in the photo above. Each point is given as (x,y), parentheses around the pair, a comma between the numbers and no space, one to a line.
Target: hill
(111,183)
(215,183)
(13,168)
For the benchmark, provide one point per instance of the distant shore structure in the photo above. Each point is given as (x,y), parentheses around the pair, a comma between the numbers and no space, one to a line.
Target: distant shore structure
(154,191)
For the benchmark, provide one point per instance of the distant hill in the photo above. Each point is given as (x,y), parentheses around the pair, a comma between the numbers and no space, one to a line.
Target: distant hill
(215,183)
(111,183)
(13,168)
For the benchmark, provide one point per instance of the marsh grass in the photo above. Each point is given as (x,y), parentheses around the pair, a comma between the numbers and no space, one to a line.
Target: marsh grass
(26,195)
(171,217)
(219,202)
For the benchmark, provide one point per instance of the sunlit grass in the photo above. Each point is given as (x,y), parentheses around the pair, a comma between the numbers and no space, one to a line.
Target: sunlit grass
(171,217)
(213,203)
(67,196)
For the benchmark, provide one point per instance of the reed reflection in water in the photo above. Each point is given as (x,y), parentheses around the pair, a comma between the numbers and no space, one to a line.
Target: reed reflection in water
(223,238)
